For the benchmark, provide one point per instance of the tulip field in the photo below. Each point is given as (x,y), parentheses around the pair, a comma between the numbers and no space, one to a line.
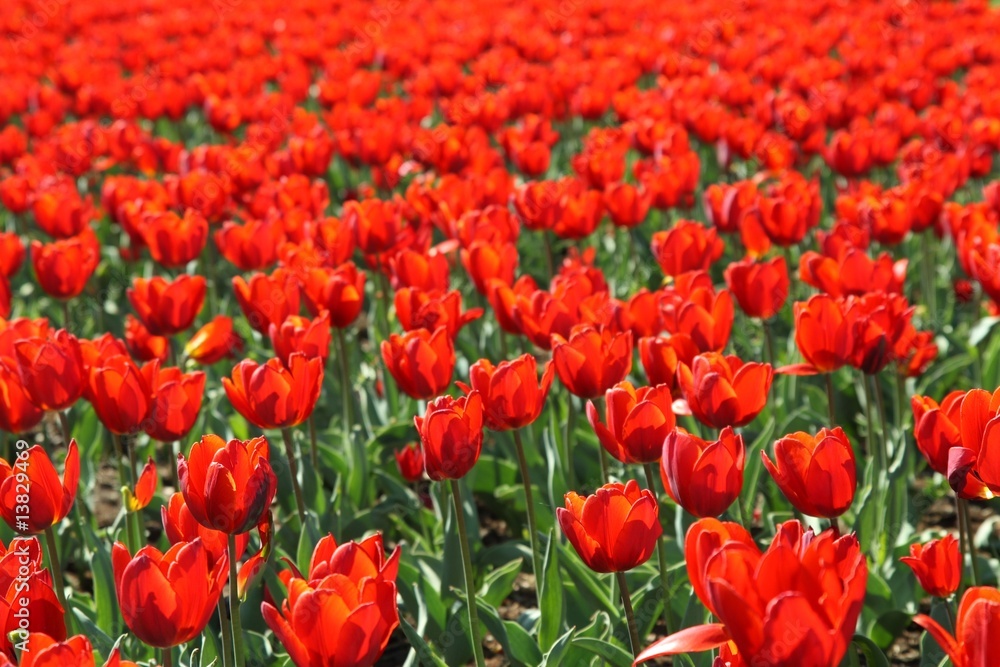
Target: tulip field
(543,333)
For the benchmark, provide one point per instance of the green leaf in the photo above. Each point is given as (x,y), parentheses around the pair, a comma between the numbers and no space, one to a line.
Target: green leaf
(559,649)
(515,640)
(981,330)
(499,583)
(100,641)
(551,596)
(425,654)
(874,657)
(613,655)
(308,538)
(105,598)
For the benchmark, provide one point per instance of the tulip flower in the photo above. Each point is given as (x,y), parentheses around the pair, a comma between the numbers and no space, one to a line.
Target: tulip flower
(299,334)
(17,413)
(49,500)
(29,599)
(6,297)
(214,341)
(227,486)
(701,476)
(823,334)
(41,650)
(724,391)
(174,240)
(139,498)
(815,583)
(167,307)
(376,224)
(637,422)
(817,473)
(485,262)
(660,357)
(592,360)
(179,525)
(687,246)
(425,271)
(142,344)
(976,628)
(937,565)
(421,362)
(272,396)
(121,393)
(63,267)
(340,291)
(52,373)
(167,598)
(760,288)
(177,400)
(355,560)
(11,254)
(267,299)
(513,396)
(410,461)
(416,309)
(451,435)
(252,246)
(704,316)
(613,530)
(627,204)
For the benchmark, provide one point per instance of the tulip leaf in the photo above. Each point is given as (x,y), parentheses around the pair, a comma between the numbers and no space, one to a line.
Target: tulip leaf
(499,583)
(550,601)
(425,654)
(585,579)
(931,653)
(874,657)
(981,330)
(555,655)
(308,538)
(100,641)
(612,655)
(105,598)
(754,464)
(517,644)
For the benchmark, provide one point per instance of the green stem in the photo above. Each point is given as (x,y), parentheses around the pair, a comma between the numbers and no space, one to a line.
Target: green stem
(239,657)
(604,464)
(347,393)
(769,341)
(168,657)
(120,459)
(65,314)
(300,505)
(963,545)
(227,636)
(633,630)
(568,442)
(549,258)
(64,424)
(883,423)
(313,450)
(970,542)
(661,554)
(536,562)
(829,400)
(928,274)
(470,579)
(57,574)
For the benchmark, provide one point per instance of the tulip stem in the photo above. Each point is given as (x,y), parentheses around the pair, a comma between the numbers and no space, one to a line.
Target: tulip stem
(65,314)
(345,380)
(962,545)
(120,458)
(313,452)
(927,274)
(633,630)
(470,578)
(769,341)
(168,657)
(529,501)
(57,574)
(567,443)
(829,400)
(239,658)
(300,505)
(227,639)
(64,424)
(661,555)
(971,543)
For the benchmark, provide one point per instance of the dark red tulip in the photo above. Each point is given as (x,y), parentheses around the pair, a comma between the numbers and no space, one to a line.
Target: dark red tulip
(703,477)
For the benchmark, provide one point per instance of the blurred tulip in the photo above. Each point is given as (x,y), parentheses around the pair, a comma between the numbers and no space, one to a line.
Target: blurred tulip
(11,253)
(252,246)
(638,421)
(167,598)
(63,267)
(270,395)
(51,369)
(17,412)
(41,650)
(50,499)
(451,435)
(614,530)
(410,461)
(977,624)
(724,391)
(817,474)
(512,395)
(421,362)
(214,342)
(703,477)
(760,288)
(174,240)
(339,291)
(937,565)
(177,400)
(687,246)
(299,334)
(485,261)
(267,299)
(142,344)
(167,307)
(592,360)
(227,486)
(627,204)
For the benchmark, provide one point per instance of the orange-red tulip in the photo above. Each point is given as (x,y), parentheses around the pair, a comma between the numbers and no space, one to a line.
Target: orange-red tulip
(227,485)
(121,394)
(823,334)
(167,598)
(49,500)
(41,650)
(179,525)
(300,334)
(29,600)
(63,268)
(410,461)
(613,530)
(214,342)
(416,309)
(167,307)
(11,253)
(592,360)
(451,435)
(340,291)
(512,394)
(817,473)
(421,362)
(937,428)
(760,288)
(270,395)
(937,565)
(174,240)
(267,299)
(140,497)
(17,413)
(253,246)
(703,477)
(627,204)
(176,403)
(724,391)
(52,372)
(142,344)
(637,422)
(687,246)
(660,357)
(976,629)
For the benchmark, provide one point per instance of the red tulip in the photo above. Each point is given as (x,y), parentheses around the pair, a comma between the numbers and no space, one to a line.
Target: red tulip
(513,397)
(451,435)
(167,307)
(63,267)
(11,253)
(28,603)
(299,334)
(627,204)
(760,288)
(252,246)
(614,530)
(167,598)
(270,395)
(592,360)
(724,391)
(121,393)
(486,261)
(139,498)
(17,413)
(179,525)
(687,246)
(174,240)
(410,461)
(52,372)
(976,629)
(340,291)
(421,362)
(177,400)
(50,499)
(937,565)
(416,309)
(214,342)
(355,560)
(823,334)
(267,300)
(937,428)
(142,344)
(818,474)
(660,357)
(638,421)
(41,650)
(227,486)
(703,477)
